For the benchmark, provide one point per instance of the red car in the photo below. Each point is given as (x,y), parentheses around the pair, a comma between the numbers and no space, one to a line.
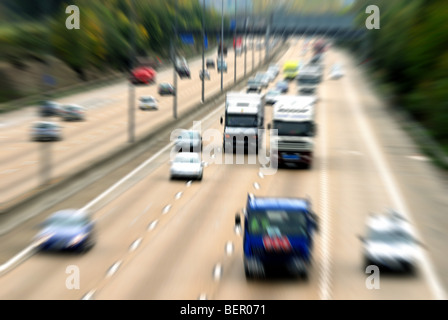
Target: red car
(143,75)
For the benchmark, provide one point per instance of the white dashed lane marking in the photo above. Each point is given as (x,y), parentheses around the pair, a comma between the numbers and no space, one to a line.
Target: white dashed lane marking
(152,225)
(113,269)
(229,248)
(166,209)
(88,295)
(217,272)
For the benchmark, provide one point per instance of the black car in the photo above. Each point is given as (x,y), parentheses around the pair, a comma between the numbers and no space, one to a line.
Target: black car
(182,68)
(210,63)
(49,108)
(183,71)
(166,88)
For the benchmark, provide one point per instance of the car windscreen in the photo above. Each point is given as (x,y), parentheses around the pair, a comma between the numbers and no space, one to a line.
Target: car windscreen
(241,120)
(183,159)
(66,221)
(302,129)
(277,222)
(392,236)
(308,80)
(189,135)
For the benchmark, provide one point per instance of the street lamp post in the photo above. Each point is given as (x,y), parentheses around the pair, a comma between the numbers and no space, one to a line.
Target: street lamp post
(131,111)
(245,37)
(174,54)
(203,51)
(234,49)
(222,44)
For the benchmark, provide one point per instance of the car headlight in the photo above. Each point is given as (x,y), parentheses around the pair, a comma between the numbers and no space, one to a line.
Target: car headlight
(76,240)
(42,238)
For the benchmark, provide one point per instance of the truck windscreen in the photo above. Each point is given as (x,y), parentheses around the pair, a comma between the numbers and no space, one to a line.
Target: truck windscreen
(308,80)
(302,129)
(241,120)
(277,223)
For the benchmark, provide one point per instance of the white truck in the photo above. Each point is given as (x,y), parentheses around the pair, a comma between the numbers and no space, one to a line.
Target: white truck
(244,116)
(294,119)
(309,78)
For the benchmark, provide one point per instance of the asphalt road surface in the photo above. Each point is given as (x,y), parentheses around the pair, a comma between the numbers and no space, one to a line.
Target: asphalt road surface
(161,240)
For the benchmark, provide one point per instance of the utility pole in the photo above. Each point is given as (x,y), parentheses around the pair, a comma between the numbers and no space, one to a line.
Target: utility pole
(174,54)
(131,110)
(245,37)
(222,44)
(253,44)
(234,49)
(203,51)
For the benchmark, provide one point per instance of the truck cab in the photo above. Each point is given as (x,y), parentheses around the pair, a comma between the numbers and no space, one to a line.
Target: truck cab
(294,122)
(278,235)
(244,116)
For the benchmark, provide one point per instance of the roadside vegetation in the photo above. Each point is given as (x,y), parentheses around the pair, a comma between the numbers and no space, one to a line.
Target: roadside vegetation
(409,56)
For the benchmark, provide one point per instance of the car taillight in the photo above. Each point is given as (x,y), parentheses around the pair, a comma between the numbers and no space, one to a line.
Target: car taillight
(228,136)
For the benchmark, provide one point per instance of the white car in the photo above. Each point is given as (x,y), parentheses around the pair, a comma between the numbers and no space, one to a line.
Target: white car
(274,71)
(46,131)
(187,165)
(73,112)
(148,103)
(188,141)
(336,72)
(390,243)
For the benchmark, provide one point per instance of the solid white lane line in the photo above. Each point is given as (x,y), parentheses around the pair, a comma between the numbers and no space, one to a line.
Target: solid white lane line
(21,256)
(325,221)
(399,204)
(88,295)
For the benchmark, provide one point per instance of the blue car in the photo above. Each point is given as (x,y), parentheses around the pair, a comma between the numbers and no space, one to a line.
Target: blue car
(282,86)
(66,230)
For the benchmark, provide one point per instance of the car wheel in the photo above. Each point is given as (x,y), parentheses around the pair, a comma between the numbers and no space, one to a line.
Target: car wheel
(249,275)
(304,275)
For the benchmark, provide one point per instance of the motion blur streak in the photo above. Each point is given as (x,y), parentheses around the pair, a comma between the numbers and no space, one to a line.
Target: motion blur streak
(388,181)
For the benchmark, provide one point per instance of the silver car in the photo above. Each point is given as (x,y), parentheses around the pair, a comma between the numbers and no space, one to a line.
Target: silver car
(187,165)
(188,141)
(73,112)
(390,243)
(46,131)
(148,103)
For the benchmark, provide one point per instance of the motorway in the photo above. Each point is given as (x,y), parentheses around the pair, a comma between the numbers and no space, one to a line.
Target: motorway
(162,240)
(25,164)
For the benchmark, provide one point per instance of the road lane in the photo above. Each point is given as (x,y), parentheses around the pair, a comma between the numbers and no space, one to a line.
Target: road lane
(165,239)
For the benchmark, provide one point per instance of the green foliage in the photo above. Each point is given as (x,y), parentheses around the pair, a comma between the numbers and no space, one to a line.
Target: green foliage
(411,50)
(110,30)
